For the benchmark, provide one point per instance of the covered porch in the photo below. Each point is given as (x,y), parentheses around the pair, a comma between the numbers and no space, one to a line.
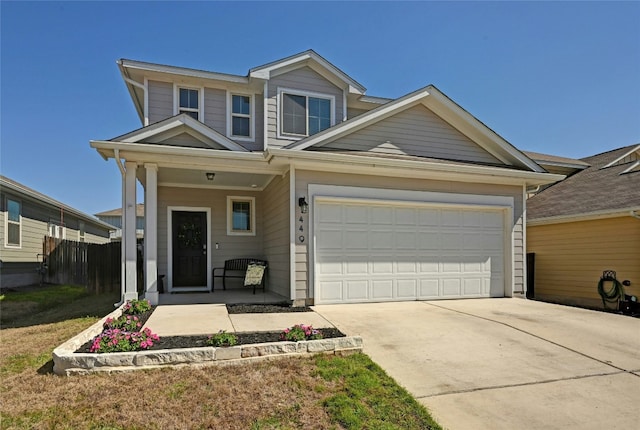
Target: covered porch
(204,206)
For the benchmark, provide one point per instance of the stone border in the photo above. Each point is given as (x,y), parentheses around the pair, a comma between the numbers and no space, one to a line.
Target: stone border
(67,362)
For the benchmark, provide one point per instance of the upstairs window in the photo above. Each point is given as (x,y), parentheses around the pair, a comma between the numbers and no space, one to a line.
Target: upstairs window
(188,101)
(305,114)
(240,116)
(14,224)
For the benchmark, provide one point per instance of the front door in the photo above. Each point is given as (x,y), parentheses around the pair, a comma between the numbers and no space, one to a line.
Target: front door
(189,234)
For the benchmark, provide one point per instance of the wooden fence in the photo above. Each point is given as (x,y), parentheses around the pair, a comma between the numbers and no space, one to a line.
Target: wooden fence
(95,266)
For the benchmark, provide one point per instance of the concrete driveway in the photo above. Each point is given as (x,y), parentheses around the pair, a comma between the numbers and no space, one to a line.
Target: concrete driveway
(505,363)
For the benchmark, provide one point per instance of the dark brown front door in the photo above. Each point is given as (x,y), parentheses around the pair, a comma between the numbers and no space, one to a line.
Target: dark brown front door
(189,233)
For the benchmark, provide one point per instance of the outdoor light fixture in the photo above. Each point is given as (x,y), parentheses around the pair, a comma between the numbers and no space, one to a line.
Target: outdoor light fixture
(210,175)
(304,206)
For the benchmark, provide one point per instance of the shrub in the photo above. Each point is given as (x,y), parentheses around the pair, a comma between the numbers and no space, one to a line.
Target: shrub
(117,340)
(136,307)
(222,338)
(300,332)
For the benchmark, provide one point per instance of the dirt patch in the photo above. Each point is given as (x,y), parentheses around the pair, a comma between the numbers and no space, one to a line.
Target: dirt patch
(266,308)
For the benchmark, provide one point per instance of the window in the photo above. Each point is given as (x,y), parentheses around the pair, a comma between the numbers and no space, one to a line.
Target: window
(81,231)
(14,223)
(188,101)
(240,111)
(241,217)
(305,114)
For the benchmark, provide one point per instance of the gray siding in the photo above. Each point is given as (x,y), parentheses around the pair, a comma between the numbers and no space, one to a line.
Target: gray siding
(303,79)
(215,109)
(352,112)
(304,178)
(160,101)
(416,131)
(229,246)
(276,234)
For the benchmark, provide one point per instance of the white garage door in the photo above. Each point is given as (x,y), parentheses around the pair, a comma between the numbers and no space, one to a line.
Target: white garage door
(392,252)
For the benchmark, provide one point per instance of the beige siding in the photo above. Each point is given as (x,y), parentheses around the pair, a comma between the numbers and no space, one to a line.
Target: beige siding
(415,131)
(33,233)
(304,79)
(276,234)
(570,258)
(160,101)
(215,109)
(304,178)
(216,200)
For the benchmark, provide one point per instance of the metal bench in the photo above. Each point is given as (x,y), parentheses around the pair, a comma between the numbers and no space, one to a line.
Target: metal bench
(232,269)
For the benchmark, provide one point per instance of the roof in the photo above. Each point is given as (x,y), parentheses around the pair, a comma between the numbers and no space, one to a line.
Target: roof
(546,159)
(10,184)
(595,190)
(118,211)
(442,106)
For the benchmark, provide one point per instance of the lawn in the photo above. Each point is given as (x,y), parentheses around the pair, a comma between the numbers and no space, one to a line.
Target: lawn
(321,392)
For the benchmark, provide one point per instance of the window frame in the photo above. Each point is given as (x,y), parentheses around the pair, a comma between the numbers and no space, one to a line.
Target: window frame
(251,116)
(176,101)
(252,215)
(7,221)
(294,92)
(82,231)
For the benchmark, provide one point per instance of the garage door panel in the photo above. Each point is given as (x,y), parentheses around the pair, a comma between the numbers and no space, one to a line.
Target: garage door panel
(407,253)
(381,289)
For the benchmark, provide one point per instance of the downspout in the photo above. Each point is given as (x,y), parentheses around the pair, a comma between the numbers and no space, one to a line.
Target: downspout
(116,156)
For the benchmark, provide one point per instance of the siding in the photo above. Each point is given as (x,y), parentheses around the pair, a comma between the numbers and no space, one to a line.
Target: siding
(416,131)
(570,258)
(304,79)
(215,109)
(276,234)
(216,200)
(304,178)
(160,101)
(352,112)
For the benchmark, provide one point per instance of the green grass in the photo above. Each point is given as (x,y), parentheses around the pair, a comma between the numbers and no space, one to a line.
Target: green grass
(48,296)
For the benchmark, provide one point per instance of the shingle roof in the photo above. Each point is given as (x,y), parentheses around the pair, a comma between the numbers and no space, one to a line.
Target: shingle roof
(542,158)
(118,211)
(594,189)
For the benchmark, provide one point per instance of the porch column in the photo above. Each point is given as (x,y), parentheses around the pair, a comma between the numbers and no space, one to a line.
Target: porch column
(151,233)
(129,232)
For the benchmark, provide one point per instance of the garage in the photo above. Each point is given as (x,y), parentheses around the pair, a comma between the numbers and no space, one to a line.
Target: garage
(380,250)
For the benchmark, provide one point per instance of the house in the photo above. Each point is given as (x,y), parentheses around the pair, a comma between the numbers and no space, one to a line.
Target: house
(349,197)
(114,217)
(27,217)
(586,224)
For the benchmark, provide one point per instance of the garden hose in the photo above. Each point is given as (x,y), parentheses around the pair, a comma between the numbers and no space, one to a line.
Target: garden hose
(614,294)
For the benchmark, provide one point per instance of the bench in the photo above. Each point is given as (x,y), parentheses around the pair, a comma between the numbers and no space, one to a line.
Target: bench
(232,269)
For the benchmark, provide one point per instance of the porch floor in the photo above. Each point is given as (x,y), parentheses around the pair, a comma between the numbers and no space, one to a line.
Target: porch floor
(228,296)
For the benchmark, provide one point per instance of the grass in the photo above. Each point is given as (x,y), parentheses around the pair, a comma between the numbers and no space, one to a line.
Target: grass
(320,392)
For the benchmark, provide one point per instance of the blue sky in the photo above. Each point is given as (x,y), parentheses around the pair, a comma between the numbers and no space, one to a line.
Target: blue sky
(559,78)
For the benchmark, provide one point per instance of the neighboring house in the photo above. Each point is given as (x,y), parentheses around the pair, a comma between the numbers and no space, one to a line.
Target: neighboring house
(114,218)
(586,224)
(554,164)
(350,198)
(26,218)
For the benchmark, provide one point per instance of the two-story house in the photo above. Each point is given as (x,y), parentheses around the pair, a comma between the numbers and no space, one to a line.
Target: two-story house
(350,198)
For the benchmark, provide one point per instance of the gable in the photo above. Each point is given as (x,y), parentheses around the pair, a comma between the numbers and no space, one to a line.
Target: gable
(183,137)
(416,131)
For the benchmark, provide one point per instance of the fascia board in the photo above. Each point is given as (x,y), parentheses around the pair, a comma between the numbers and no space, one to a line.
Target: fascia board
(561,164)
(466,123)
(361,121)
(182,71)
(132,91)
(626,154)
(150,148)
(412,168)
(559,219)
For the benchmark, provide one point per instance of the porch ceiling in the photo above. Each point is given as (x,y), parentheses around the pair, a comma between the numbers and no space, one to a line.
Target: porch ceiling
(197,178)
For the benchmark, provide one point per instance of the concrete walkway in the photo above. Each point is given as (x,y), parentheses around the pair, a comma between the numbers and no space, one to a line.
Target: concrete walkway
(505,363)
(201,319)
